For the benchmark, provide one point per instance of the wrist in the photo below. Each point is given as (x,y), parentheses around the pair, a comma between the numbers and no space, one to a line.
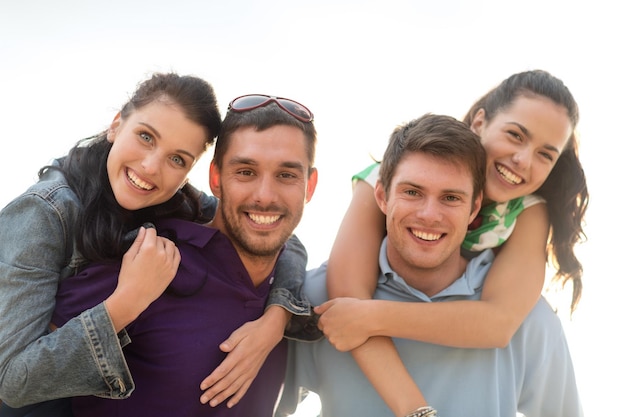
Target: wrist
(120,312)
(425,411)
(373,318)
(277,314)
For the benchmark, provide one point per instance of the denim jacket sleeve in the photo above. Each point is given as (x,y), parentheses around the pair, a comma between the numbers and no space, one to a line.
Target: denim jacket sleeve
(287,292)
(83,357)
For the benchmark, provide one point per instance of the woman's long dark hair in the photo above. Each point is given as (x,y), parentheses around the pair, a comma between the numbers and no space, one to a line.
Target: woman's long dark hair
(565,189)
(102,222)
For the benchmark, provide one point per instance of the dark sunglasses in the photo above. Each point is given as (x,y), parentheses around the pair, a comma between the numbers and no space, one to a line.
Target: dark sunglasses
(253,101)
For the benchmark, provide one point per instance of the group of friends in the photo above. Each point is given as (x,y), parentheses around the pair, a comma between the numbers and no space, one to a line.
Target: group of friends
(125,291)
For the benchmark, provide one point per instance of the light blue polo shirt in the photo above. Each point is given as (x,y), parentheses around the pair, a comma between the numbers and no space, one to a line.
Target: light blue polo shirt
(533,375)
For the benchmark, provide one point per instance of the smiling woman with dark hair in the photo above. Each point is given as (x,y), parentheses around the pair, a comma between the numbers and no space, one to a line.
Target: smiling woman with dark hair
(535,190)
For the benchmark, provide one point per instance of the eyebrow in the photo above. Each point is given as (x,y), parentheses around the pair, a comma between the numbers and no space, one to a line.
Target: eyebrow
(527,133)
(249,161)
(158,135)
(445,191)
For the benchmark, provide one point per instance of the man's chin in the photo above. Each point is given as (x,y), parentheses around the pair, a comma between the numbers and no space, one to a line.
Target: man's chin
(262,248)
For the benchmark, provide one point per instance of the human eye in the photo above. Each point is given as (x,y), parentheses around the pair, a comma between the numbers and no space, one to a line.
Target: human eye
(178,160)
(547,156)
(515,135)
(245,172)
(287,175)
(452,198)
(146,137)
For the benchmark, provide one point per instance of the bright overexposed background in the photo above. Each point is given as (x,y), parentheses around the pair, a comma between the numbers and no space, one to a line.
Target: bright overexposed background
(363,67)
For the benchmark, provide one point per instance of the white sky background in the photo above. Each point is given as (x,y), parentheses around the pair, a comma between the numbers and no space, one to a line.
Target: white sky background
(362,67)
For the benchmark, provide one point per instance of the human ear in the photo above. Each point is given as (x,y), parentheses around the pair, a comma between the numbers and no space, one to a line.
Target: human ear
(381,197)
(478,122)
(214,180)
(311,184)
(112,131)
(476,207)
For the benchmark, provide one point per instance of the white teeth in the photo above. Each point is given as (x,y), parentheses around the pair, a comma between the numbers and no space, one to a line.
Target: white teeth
(138,181)
(427,236)
(259,219)
(510,177)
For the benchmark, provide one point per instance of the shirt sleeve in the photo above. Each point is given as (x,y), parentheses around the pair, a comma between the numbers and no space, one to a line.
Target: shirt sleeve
(287,292)
(81,358)
(369,175)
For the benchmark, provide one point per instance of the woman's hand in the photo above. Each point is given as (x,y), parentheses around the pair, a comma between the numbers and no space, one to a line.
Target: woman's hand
(148,267)
(247,348)
(344,322)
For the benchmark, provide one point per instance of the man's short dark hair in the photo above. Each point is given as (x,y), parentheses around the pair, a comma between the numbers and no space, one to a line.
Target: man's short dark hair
(440,136)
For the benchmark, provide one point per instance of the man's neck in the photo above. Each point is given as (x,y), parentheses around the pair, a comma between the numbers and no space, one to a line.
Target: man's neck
(258,267)
(431,281)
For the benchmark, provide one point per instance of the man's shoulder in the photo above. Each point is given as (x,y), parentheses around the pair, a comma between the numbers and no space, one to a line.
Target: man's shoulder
(544,313)
(318,271)
(314,287)
(542,325)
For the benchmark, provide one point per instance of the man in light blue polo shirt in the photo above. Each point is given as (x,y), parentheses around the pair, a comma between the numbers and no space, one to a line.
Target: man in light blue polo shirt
(430,190)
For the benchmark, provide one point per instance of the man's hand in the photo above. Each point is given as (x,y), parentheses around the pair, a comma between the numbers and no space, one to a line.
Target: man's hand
(247,348)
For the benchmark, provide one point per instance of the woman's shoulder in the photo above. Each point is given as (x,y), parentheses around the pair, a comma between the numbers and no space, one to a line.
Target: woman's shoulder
(53,188)
(50,196)
(369,174)
(46,212)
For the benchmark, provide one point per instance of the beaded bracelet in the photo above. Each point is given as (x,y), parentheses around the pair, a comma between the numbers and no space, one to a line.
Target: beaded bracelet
(426,411)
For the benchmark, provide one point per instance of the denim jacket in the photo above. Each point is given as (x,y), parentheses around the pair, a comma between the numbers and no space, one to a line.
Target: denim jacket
(83,357)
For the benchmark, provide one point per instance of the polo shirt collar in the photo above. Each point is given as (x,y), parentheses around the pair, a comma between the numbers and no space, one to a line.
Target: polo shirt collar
(466,285)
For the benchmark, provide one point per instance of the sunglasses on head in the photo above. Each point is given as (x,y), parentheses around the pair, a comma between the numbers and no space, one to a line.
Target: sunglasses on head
(253,101)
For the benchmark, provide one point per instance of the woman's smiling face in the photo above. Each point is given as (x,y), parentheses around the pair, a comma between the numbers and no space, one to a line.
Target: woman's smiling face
(523,142)
(153,151)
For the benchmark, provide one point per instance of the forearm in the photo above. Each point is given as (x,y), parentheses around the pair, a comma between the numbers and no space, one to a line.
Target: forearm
(287,292)
(83,357)
(346,323)
(247,349)
(381,364)
(289,278)
(463,323)
(36,366)
(276,317)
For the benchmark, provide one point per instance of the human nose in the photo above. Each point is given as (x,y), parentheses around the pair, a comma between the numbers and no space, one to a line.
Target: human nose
(264,190)
(150,163)
(522,158)
(429,210)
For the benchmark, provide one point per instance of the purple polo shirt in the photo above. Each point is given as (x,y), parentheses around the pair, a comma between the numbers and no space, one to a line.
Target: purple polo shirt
(175,341)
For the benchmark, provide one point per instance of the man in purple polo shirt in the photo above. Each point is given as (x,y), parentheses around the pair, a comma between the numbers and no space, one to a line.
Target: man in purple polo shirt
(263,174)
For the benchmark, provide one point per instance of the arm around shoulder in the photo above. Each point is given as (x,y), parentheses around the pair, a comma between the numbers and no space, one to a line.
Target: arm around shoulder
(511,289)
